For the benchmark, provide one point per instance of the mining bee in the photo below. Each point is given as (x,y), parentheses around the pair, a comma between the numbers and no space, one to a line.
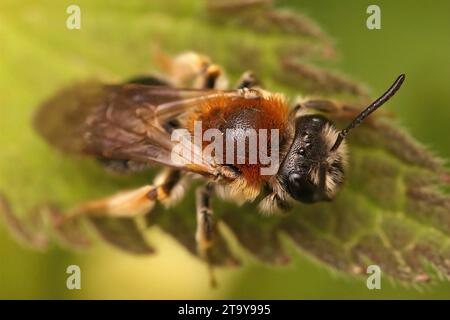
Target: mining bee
(129,127)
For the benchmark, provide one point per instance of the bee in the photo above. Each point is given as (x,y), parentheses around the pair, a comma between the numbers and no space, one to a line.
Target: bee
(129,127)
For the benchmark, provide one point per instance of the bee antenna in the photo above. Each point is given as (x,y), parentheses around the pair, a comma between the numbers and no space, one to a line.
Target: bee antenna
(371,108)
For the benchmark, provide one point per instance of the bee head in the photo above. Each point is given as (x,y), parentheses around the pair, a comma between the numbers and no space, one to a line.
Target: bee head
(313,168)
(310,171)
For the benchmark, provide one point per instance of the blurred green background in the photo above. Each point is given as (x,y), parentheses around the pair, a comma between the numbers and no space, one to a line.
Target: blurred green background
(38,55)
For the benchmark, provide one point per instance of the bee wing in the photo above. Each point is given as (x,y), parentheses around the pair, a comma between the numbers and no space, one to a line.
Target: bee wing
(120,121)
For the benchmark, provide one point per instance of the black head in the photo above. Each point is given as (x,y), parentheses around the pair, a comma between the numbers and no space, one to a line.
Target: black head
(308,173)
(313,168)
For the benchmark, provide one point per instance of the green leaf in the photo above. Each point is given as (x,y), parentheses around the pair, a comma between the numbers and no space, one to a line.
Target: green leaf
(123,233)
(391,212)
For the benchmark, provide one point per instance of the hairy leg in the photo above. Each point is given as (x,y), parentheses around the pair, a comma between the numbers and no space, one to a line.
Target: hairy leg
(248,80)
(132,203)
(331,107)
(193,70)
(205,226)
(67,226)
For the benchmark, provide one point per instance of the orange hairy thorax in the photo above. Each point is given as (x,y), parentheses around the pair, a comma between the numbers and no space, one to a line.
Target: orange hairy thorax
(240,114)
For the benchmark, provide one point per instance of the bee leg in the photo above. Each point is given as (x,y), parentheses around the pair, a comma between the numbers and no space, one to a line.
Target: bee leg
(131,203)
(67,225)
(211,77)
(248,80)
(128,203)
(191,69)
(205,227)
(183,68)
(165,185)
(340,110)
(273,203)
